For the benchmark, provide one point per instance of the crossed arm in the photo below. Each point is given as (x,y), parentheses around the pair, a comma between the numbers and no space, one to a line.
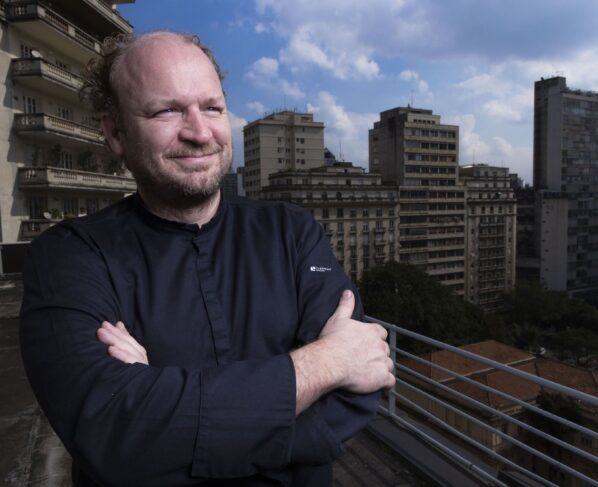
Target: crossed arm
(348,355)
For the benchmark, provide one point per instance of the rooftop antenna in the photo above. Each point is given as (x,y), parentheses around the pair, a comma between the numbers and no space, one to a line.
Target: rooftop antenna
(473,161)
(411,98)
(340,150)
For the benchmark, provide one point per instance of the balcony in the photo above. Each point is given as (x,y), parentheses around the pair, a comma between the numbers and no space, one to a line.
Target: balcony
(49,127)
(40,75)
(472,415)
(55,178)
(31,229)
(47,27)
(95,16)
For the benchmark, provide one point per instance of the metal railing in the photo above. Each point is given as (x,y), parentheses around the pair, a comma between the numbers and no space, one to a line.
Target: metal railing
(493,409)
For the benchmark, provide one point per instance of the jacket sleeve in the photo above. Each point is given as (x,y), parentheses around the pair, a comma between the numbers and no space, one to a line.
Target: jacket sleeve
(137,424)
(334,418)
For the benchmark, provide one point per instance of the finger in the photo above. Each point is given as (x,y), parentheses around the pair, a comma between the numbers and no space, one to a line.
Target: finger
(123,355)
(345,305)
(122,331)
(111,336)
(382,332)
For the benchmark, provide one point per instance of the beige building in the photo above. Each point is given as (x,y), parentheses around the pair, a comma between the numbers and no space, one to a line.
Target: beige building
(358,213)
(409,147)
(491,226)
(280,141)
(53,163)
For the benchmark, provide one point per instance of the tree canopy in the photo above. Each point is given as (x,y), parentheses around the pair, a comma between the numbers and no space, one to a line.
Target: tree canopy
(404,295)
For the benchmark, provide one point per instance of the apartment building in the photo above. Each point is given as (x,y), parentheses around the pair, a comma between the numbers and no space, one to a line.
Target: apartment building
(284,140)
(490,244)
(411,148)
(566,185)
(53,163)
(357,212)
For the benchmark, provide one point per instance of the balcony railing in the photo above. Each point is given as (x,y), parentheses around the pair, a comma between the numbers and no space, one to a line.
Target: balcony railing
(39,67)
(30,122)
(54,177)
(456,402)
(31,229)
(110,14)
(33,10)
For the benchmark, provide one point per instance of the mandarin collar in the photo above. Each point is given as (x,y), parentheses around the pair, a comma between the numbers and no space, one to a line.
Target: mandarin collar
(174,226)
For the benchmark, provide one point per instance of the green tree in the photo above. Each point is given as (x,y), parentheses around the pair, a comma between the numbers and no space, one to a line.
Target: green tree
(404,295)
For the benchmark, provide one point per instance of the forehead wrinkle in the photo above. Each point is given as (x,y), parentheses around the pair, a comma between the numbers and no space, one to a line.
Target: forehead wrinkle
(154,57)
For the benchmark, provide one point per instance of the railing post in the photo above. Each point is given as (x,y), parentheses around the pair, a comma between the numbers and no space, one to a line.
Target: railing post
(392,342)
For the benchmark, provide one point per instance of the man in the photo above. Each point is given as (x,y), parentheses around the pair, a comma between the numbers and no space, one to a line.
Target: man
(220,359)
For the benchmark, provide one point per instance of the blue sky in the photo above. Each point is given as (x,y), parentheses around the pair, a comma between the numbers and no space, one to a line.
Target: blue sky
(474,62)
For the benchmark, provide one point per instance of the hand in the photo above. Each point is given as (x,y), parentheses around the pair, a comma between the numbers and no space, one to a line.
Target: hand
(121,345)
(360,349)
(348,355)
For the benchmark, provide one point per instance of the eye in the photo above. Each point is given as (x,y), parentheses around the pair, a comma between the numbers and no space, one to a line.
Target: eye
(215,109)
(166,111)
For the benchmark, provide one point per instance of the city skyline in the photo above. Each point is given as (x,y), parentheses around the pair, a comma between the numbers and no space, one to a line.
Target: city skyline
(346,61)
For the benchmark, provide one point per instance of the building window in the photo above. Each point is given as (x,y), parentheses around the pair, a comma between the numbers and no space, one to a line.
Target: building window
(30,105)
(324,212)
(65,113)
(70,207)
(365,212)
(66,160)
(37,206)
(339,213)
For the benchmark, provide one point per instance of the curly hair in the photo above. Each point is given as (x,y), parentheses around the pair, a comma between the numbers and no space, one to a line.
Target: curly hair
(101,75)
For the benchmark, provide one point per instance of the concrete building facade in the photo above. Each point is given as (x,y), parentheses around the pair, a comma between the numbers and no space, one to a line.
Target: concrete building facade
(410,148)
(53,163)
(566,185)
(491,225)
(358,213)
(283,140)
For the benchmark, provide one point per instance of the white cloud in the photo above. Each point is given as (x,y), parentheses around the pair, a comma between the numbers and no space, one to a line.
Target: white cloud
(408,75)
(263,73)
(260,28)
(471,146)
(256,106)
(263,68)
(418,84)
(237,124)
(503,110)
(344,128)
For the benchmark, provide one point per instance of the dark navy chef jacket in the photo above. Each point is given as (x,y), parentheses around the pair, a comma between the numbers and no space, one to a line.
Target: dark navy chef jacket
(217,308)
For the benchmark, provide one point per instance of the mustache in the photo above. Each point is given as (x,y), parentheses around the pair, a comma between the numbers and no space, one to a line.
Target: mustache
(205,150)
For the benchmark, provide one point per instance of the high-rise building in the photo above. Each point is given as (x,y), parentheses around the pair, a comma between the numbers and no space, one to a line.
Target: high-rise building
(491,227)
(280,141)
(566,185)
(358,213)
(53,163)
(409,147)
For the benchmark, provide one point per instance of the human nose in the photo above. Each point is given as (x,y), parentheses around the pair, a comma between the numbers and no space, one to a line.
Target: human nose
(196,127)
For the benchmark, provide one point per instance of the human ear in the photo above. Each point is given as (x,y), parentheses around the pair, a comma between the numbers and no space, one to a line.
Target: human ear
(112,133)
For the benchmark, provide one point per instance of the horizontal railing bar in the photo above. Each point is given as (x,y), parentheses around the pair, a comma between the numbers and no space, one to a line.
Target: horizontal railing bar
(467,464)
(512,440)
(552,439)
(582,396)
(474,443)
(531,407)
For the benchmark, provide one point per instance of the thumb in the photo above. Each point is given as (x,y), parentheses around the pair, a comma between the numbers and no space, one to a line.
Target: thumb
(345,305)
